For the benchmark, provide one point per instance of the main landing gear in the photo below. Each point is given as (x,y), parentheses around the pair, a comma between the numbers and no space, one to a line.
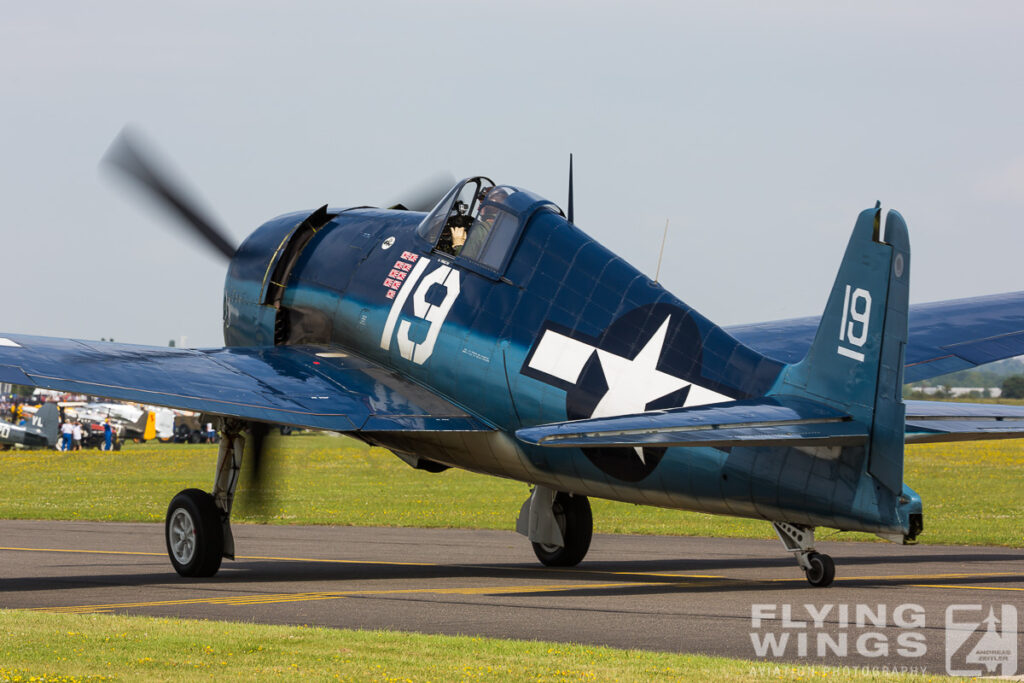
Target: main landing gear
(799,540)
(198,528)
(559,524)
(195,537)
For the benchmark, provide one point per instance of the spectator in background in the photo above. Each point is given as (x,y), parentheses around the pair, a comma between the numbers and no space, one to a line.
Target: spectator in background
(67,431)
(76,434)
(108,435)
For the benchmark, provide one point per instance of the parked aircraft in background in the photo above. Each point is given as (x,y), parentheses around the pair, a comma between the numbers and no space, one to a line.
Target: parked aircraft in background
(41,429)
(486,331)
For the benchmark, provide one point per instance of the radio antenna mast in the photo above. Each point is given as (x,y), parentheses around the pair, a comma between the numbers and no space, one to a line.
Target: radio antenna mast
(662,252)
(570,216)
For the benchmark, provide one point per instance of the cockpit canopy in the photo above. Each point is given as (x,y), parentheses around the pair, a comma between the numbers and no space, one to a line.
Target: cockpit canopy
(480,222)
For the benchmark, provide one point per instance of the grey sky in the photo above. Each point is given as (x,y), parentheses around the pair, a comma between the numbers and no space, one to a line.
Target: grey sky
(759,131)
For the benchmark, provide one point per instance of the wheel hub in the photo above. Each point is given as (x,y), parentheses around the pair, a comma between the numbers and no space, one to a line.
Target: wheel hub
(182,536)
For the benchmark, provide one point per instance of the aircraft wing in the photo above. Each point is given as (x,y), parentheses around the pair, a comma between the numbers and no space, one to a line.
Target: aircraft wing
(319,387)
(933,421)
(776,421)
(944,336)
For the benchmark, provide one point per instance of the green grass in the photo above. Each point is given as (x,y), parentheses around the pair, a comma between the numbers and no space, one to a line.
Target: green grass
(93,647)
(971,491)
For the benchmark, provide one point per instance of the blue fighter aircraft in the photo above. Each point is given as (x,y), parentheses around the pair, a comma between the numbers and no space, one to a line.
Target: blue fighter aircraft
(487,331)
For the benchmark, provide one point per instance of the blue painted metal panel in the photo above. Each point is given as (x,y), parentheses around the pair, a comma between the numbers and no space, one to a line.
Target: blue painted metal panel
(944,336)
(885,451)
(775,420)
(288,385)
(936,421)
(356,273)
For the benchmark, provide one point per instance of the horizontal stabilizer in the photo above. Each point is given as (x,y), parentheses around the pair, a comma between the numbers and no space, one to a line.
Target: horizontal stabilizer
(936,421)
(771,421)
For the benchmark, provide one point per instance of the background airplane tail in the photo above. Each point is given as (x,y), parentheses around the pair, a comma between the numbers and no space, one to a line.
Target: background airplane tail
(48,417)
(855,363)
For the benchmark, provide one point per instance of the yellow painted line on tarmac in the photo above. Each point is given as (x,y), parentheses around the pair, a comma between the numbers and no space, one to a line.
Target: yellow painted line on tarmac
(88,552)
(900,577)
(609,572)
(974,588)
(276,598)
(239,557)
(572,571)
(382,563)
(330,561)
(281,598)
(957,575)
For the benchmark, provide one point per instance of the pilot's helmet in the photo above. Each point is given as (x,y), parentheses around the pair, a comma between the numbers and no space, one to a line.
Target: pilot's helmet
(497,194)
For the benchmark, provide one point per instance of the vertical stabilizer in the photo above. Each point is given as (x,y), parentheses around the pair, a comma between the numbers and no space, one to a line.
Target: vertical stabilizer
(856,360)
(47,421)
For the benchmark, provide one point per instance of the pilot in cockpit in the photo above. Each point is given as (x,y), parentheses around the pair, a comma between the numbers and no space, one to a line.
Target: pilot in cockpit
(458,225)
(484,222)
(463,228)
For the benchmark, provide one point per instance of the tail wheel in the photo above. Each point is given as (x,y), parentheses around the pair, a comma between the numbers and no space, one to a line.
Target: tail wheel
(822,571)
(572,513)
(194,534)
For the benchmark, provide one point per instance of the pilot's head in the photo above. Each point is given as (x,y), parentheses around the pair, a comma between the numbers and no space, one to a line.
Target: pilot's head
(498,194)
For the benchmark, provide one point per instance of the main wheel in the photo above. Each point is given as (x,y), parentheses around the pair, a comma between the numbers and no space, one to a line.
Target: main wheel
(572,513)
(822,571)
(195,537)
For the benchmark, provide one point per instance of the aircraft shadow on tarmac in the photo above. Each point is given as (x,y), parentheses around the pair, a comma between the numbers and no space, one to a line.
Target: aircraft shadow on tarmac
(635,577)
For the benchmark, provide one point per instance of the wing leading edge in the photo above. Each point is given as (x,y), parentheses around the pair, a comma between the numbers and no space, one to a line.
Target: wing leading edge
(318,387)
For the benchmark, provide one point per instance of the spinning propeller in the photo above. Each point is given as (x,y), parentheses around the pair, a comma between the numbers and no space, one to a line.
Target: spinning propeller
(128,155)
(133,158)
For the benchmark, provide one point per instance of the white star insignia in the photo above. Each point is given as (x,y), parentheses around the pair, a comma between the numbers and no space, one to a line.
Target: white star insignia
(632,383)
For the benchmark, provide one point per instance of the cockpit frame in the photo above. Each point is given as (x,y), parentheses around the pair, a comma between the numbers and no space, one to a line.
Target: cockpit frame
(479,224)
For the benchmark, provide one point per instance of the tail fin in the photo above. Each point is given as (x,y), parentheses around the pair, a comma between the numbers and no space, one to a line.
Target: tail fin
(47,421)
(855,363)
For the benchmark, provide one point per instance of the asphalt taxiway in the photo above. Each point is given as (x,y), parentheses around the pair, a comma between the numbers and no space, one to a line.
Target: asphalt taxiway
(888,606)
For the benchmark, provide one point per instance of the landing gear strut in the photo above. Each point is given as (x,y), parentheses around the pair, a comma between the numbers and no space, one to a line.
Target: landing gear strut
(559,524)
(799,540)
(198,528)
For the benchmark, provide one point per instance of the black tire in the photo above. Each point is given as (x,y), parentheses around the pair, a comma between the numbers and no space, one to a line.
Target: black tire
(822,571)
(577,524)
(194,534)
(195,437)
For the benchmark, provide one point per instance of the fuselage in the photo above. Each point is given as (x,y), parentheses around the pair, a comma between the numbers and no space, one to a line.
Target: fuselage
(547,326)
(29,435)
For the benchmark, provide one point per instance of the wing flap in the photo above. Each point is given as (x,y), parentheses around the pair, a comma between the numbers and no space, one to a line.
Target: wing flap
(775,421)
(319,387)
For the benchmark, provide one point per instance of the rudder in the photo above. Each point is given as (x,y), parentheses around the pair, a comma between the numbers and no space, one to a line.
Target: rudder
(855,363)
